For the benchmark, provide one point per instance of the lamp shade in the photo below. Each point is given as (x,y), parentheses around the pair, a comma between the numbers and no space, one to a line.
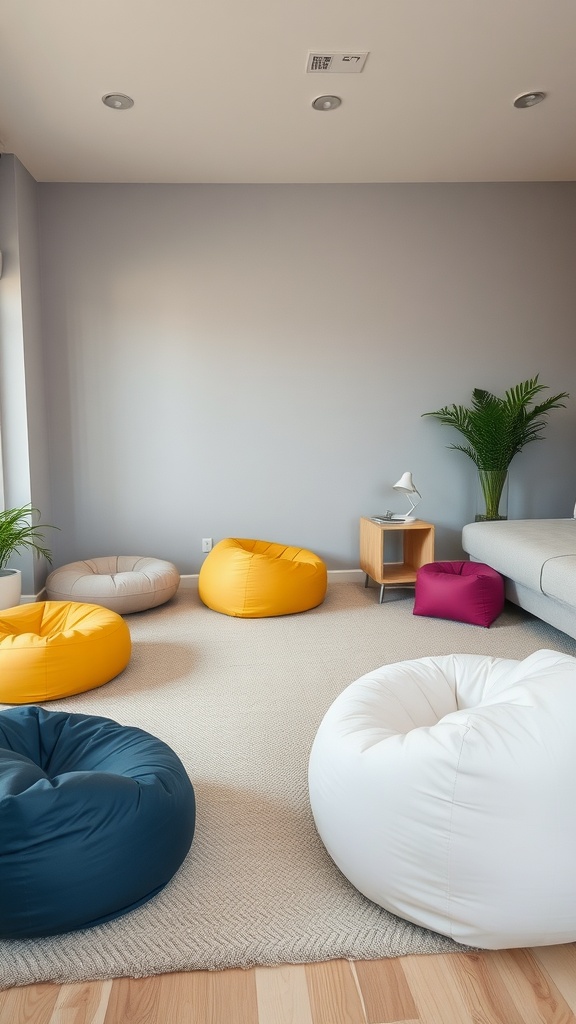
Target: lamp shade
(406,483)
(408,487)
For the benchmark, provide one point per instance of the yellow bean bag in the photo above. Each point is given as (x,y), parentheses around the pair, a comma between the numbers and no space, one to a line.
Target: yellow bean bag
(256,578)
(51,649)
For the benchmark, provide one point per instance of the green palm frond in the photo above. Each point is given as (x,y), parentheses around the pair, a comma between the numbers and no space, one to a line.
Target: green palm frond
(496,429)
(18,532)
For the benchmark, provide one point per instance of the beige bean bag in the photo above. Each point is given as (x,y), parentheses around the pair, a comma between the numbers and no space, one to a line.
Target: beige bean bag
(123,583)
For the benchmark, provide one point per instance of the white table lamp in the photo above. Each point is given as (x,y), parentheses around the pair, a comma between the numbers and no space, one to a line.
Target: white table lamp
(406,484)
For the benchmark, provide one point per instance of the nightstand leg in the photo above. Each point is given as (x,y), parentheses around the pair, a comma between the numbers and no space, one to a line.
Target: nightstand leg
(381,593)
(366,580)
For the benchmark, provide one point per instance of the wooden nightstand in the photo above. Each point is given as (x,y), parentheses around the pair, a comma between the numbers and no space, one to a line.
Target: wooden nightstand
(417,549)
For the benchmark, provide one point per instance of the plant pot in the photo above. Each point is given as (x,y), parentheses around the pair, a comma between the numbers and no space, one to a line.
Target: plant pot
(10,588)
(492,498)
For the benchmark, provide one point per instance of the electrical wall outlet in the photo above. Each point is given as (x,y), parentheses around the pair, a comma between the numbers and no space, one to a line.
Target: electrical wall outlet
(206,543)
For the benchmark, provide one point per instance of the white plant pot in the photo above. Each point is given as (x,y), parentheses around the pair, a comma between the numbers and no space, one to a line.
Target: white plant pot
(10,588)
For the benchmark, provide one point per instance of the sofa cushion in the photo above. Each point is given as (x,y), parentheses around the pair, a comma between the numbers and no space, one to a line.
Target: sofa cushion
(558,578)
(537,553)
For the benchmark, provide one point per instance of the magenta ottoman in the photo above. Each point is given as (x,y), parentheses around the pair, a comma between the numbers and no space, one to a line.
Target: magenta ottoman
(463,591)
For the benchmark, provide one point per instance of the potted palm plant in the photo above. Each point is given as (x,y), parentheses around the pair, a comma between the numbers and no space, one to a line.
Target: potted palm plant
(496,429)
(18,533)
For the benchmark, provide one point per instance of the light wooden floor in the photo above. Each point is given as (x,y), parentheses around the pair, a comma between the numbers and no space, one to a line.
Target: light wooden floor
(512,987)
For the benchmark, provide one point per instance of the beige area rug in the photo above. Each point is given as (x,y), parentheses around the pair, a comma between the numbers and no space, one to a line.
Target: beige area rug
(240,701)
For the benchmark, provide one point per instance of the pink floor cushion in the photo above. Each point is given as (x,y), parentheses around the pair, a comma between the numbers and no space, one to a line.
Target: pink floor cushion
(463,591)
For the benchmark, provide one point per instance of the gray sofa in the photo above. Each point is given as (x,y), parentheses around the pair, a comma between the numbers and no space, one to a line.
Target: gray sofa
(537,558)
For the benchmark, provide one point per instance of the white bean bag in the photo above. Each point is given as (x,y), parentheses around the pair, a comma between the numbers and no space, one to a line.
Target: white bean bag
(443,789)
(124,583)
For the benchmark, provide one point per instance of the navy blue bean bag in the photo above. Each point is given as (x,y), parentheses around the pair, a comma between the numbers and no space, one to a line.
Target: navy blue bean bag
(95,818)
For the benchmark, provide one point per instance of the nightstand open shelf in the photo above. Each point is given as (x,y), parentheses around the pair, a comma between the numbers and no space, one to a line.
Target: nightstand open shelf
(417,540)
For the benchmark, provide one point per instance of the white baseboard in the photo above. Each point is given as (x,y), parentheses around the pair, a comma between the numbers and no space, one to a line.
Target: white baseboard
(189,582)
(346,576)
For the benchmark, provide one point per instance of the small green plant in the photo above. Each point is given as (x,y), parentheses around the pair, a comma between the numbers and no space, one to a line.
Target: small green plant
(496,429)
(18,533)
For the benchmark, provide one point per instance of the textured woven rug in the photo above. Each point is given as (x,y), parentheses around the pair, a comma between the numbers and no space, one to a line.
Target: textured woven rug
(240,701)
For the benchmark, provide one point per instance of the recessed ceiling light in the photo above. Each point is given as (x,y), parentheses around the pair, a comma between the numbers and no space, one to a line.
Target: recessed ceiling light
(326,102)
(118,101)
(529,99)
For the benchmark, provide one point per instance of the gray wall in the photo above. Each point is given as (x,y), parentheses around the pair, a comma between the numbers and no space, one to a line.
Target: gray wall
(254,360)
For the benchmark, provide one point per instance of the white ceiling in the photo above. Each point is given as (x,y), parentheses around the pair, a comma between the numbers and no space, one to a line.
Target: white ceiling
(221,92)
